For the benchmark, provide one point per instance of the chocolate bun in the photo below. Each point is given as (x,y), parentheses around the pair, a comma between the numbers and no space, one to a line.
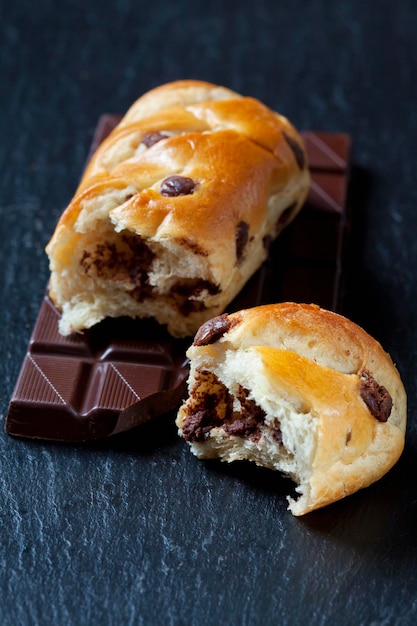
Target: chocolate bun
(298,389)
(176,208)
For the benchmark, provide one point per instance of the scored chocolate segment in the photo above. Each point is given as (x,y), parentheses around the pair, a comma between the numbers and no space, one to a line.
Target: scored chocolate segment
(123,372)
(327,151)
(76,388)
(46,338)
(327,192)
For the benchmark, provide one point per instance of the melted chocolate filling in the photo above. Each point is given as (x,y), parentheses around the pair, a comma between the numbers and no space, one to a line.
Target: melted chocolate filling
(127,262)
(198,425)
(213,407)
(250,418)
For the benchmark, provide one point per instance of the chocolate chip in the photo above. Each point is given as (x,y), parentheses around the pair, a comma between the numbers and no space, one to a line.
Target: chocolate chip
(297,150)
(375,396)
(213,329)
(185,294)
(194,287)
(152,137)
(267,242)
(177,186)
(242,236)
(286,215)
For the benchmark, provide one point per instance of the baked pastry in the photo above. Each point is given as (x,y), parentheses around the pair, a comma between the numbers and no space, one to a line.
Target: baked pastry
(299,389)
(176,209)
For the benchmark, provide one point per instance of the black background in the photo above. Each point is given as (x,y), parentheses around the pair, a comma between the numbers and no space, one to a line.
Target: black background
(135,530)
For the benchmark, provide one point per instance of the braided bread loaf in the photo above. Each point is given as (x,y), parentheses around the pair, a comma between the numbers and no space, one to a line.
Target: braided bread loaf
(176,209)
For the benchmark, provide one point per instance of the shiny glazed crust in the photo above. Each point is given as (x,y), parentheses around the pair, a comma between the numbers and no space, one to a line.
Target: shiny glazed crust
(329,404)
(134,241)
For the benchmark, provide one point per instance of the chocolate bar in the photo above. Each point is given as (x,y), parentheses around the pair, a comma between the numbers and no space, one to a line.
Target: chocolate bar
(123,372)
(77,388)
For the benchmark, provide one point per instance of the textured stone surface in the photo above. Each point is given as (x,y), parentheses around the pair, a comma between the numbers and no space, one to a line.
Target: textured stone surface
(135,530)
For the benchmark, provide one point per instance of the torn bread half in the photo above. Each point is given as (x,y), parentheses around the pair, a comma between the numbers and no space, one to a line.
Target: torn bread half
(298,389)
(176,209)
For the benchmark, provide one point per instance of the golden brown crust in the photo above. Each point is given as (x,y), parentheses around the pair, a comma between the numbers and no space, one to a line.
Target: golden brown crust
(315,364)
(242,165)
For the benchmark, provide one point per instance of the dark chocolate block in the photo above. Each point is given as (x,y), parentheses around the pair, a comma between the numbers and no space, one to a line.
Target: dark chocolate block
(123,372)
(76,388)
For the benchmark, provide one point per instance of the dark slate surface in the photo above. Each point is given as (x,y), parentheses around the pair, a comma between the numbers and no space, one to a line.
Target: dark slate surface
(135,530)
